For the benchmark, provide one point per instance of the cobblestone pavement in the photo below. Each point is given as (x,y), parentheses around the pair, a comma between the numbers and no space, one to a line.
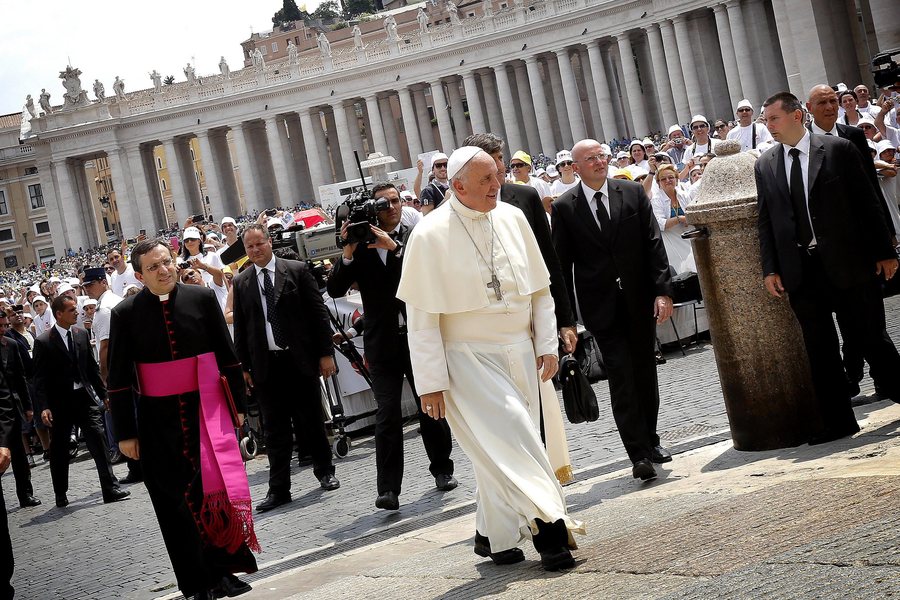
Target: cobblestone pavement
(92,550)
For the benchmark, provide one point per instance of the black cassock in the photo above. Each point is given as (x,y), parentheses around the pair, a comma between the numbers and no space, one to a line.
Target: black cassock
(146,328)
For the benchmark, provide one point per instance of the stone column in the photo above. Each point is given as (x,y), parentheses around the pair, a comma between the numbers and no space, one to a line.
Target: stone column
(526,107)
(211,175)
(742,49)
(726,46)
(313,161)
(688,64)
(633,86)
(593,127)
(176,181)
(661,75)
(426,132)
(541,111)
(158,201)
(460,126)
(73,222)
(476,115)
(274,133)
(343,139)
(507,104)
(356,140)
(376,129)
(244,171)
(570,92)
(788,49)
(142,198)
(607,126)
(441,112)
(332,171)
(558,112)
(224,162)
(676,76)
(299,165)
(55,216)
(293,171)
(391,132)
(125,200)
(408,113)
(492,106)
(884,12)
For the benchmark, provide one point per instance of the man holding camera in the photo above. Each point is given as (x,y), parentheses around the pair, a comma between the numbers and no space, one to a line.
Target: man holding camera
(375,267)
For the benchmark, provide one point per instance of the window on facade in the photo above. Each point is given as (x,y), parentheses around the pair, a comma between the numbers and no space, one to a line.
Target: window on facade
(163,182)
(36,195)
(46,253)
(274,46)
(158,163)
(42,227)
(263,49)
(297,40)
(31,171)
(7,235)
(4,208)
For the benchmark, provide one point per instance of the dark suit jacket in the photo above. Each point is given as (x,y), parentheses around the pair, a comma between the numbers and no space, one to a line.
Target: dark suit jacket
(12,377)
(8,434)
(52,380)
(527,199)
(636,254)
(301,310)
(851,231)
(378,283)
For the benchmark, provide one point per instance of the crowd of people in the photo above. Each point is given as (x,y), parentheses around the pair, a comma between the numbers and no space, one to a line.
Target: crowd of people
(469,284)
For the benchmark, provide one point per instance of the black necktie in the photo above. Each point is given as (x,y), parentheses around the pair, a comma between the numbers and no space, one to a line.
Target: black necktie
(602,216)
(271,313)
(71,346)
(798,199)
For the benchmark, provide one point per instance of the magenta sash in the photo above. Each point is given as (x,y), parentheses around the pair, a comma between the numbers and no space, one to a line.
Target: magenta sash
(226,513)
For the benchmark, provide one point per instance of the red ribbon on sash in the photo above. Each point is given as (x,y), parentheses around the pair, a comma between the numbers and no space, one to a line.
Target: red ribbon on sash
(226,514)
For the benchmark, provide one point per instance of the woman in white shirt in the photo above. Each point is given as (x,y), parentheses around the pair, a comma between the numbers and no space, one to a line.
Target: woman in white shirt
(208,264)
(668,205)
(638,155)
(849,103)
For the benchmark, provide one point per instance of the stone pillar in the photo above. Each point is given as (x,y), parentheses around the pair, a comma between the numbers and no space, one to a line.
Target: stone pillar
(760,355)
(142,197)
(245,169)
(84,196)
(507,103)
(441,112)
(331,171)
(391,132)
(460,124)
(661,75)
(676,76)
(299,163)
(742,49)
(176,181)
(343,139)
(492,106)
(55,216)
(558,112)
(526,107)
(633,86)
(274,133)
(376,129)
(73,222)
(129,219)
(541,112)
(426,132)
(884,12)
(158,201)
(408,113)
(476,115)
(211,176)
(729,58)
(587,81)
(570,92)
(313,160)
(788,49)
(224,163)
(356,139)
(292,169)
(607,129)
(689,65)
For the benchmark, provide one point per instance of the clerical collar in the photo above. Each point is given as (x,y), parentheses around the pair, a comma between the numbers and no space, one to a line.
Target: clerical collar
(163,297)
(465,211)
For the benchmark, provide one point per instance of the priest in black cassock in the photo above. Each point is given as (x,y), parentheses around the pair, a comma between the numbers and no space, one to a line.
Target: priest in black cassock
(172,368)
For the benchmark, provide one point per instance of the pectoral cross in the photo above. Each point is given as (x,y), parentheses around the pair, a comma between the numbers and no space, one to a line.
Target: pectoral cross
(495,285)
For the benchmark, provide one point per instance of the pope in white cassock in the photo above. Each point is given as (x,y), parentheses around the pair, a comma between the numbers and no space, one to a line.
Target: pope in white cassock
(482,335)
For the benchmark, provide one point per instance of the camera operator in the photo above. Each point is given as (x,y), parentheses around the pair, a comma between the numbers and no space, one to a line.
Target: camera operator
(376,270)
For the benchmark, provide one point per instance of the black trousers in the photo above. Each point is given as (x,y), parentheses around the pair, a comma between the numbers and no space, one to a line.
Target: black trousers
(168,432)
(854,349)
(7,564)
(813,302)
(79,409)
(628,351)
(21,469)
(387,385)
(287,397)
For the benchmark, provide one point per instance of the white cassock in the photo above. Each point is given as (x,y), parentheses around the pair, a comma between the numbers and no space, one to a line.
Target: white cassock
(481,352)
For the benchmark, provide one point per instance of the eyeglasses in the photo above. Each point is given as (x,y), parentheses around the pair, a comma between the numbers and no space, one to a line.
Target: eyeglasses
(866,127)
(720,126)
(745,110)
(699,126)
(516,165)
(595,158)
(441,165)
(167,263)
(565,163)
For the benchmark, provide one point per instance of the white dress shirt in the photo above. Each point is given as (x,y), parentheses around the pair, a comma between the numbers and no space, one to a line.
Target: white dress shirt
(592,202)
(270,267)
(63,333)
(803,147)
(818,130)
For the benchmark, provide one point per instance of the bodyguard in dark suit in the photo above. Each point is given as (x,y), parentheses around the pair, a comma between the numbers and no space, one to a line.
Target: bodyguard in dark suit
(823,239)
(612,257)
(282,336)
(9,436)
(70,392)
(376,270)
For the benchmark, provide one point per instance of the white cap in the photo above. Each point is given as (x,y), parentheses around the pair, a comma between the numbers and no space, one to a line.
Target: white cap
(841,87)
(622,154)
(673,129)
(191,233)
(744,104)
(89,302)
(73,281)
(552,172)
(437,157)
(699,119)
(867,120)
(872,145)
(55,279)
(228,220)
(64,288)
(635,143)
(562,156)
(460,158)
(213,235)
(540,172)
(27,316)
(35,288)
(648,142)
(273,222)
(406,195)
(38,299)
(696,168)
(884,145)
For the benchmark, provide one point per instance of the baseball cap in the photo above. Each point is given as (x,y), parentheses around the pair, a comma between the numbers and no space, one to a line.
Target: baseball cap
(228,220)
(191,233)
(562,156)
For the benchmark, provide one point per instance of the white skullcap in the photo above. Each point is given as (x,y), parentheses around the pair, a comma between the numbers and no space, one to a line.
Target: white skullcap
(460,158)
(744,104)
(884,145)
(841,87)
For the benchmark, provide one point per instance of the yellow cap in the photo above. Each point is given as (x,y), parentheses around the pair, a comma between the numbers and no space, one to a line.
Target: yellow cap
(523,156)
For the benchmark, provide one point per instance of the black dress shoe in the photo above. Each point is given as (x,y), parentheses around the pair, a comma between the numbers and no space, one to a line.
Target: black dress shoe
(555,560)
(643,470)
(132,477)
(204,595)
(231,586)
(660,455)
(505,557)
(329,483)
(115,495)
(29,501)
(61,500)
(830,435)
(388,501)
(273,500)
(445,482)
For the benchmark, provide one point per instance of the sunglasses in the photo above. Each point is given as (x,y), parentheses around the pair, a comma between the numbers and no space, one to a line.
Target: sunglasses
(516,165)
(441,165)
(722,126)
(745,110)
(699,126)
(565,163)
